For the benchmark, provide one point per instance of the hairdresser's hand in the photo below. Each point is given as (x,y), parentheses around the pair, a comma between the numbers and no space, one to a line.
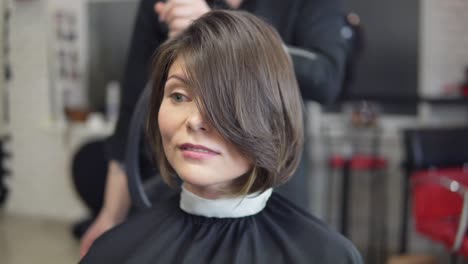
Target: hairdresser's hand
(115,208)
(102,223)
(179,14)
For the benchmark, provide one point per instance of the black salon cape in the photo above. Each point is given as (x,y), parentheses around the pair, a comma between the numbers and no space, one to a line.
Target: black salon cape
(280,233)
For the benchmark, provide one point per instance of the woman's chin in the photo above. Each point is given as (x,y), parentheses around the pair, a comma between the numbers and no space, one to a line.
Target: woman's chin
(198,180)
(203,182)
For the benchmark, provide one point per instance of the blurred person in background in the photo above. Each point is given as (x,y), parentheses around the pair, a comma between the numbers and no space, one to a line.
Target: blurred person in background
(309,28)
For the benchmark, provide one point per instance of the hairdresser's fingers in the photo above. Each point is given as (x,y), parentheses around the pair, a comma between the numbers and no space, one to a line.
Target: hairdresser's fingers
(178,25)
(183,11)
(158,8)
(182,2)
(168,6)
(183,8)
(172,34)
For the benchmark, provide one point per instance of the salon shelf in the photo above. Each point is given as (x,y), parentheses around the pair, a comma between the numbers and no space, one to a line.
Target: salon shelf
(455,101)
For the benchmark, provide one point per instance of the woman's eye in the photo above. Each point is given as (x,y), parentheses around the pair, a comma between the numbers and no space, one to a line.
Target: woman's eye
(178,97)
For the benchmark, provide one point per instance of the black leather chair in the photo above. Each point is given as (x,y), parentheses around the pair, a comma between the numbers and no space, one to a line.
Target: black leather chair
(132,164)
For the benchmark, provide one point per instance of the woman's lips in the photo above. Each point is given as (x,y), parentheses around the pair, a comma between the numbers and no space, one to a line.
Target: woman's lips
(197,152)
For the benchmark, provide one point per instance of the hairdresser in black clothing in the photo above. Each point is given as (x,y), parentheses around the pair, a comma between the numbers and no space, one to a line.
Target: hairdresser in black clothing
(309,28)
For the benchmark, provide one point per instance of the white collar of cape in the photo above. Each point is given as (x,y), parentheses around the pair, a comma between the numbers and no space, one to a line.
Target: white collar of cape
(223,207)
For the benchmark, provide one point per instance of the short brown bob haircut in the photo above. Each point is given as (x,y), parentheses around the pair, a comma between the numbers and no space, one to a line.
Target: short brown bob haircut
(245,88)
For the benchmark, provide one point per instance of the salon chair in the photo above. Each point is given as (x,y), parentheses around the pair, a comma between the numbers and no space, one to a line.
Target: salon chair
(138,190)
(88,169)
(436,176)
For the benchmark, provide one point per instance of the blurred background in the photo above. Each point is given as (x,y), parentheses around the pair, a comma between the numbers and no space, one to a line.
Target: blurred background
(61,64)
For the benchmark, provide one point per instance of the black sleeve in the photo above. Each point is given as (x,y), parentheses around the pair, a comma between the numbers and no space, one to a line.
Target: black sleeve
(148,34)
(318,39)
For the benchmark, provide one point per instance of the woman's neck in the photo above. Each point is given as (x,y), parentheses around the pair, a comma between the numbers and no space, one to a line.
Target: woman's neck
(205,192)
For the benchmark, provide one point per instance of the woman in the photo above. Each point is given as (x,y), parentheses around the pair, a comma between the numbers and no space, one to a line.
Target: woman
(310,28)
(225,118)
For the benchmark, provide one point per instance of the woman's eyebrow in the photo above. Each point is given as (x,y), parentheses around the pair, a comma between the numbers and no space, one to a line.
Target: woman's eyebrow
(177,77)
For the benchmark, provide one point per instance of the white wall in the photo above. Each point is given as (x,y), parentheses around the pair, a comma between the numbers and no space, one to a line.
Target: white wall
(4,5)
(2,80)
(40,184)
(444,42)
(444,56)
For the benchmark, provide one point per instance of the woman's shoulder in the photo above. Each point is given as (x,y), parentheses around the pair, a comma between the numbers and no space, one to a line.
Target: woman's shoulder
(309,233)
(282,231)
(123,240)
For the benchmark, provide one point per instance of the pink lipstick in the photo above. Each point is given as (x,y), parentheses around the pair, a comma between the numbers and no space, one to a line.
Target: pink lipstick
(198,152)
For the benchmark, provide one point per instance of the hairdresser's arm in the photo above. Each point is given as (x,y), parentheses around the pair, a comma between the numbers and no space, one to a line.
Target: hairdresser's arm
(319,50)
(179,14)
(115,209)
(148,34)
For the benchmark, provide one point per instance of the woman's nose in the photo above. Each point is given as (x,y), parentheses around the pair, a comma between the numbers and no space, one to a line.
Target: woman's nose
(196,122)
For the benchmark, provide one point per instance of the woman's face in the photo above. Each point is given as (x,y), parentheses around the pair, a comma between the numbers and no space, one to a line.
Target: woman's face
(202,158)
